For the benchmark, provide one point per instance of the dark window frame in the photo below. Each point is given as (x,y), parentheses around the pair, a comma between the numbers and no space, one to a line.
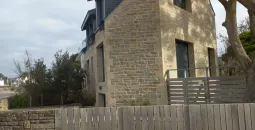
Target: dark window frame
(181,3)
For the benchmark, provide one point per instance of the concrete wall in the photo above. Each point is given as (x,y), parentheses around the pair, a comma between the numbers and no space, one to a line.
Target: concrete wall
(196,26)
(26,120)
(3,104)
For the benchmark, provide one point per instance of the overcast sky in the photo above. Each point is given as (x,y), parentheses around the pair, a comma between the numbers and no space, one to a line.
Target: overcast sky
(45,26)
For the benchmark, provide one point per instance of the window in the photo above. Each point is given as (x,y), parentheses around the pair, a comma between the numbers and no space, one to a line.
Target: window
(211,62)
(182,59)
(88,72)
(100,63)
(92,65)
(180,3)
(185,59)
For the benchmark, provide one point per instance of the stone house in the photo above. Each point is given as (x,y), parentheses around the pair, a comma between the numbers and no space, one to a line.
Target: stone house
(131,44)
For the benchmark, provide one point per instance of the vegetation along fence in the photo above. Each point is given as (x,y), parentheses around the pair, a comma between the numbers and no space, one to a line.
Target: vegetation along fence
(204,90)
(172,117)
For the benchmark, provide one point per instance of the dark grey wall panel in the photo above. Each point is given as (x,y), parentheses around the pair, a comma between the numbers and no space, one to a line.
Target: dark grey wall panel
(110,5)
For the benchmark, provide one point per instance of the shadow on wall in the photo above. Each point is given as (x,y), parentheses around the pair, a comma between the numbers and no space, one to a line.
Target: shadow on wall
(196,27)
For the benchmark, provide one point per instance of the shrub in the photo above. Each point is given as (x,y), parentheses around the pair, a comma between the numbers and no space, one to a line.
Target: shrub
(88,98)
(18,101)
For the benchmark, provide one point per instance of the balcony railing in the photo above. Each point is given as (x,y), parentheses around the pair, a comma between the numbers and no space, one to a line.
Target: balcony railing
(88,42)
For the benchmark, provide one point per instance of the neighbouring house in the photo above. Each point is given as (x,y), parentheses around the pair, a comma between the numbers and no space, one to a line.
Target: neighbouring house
(2,82)
(131,44)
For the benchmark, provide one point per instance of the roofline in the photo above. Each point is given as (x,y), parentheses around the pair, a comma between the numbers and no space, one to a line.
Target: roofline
(88,15)
(212,7)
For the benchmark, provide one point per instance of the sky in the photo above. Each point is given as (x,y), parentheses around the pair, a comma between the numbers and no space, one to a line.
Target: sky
(42,27)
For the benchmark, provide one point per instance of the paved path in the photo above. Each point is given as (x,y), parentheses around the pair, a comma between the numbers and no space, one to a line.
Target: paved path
(5,94)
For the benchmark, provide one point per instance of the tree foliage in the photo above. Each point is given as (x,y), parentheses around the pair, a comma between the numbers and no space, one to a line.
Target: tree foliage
(61,83)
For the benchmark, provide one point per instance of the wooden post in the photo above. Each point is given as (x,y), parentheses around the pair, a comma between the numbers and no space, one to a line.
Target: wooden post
(30,101)
(207,89)
(168,88)
(41,99)
(61,99)
(185,85)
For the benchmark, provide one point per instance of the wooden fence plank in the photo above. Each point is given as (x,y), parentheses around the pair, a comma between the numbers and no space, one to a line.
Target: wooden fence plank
(157,118)
(96,117)
(229,117)
(223,117)
(58,119)
(180,118)
(234,110)
(252,107)
(70,119)
(83,119)
(162,117)
(167,117)
(128,121)
(204,117)
(64,119)
(77,116)
(216,112)
(138,124)
(248,120)
(120,118)
(226,78)
(192,116)
(210,117)
(241,117)
(90,119)
(144,118)
(173,112)
(150,117)
(107,118)
(101,115)
(114,118)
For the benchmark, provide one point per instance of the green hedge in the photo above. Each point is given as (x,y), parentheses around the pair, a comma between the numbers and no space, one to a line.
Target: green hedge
(18,101)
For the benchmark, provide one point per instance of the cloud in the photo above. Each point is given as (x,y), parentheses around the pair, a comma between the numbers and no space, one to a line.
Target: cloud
(40,26)
(45,26)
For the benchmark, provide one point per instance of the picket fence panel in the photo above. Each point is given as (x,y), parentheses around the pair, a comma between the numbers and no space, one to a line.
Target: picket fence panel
(169,117)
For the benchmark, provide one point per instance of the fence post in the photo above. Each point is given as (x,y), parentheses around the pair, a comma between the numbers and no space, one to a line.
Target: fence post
(30,101)
(41,99)
(61,99)
(185,85)
(120,118)
(207,91)
(168,88)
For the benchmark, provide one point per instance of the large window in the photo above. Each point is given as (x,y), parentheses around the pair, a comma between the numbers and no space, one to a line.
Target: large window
(185,59)
(182,59)
(100,63)
(211,62)
(180,3)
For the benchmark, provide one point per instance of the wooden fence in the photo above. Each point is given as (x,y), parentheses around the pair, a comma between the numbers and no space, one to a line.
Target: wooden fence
(204,90)
(172,117)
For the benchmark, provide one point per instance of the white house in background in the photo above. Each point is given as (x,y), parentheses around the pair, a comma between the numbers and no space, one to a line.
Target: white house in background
(1,82)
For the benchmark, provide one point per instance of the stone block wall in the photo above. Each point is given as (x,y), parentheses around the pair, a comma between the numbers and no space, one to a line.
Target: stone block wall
(27,120)
(3,104)
(133,53)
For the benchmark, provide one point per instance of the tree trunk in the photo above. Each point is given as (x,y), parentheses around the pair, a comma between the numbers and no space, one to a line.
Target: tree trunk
(249,4)
(231,25)
(246,64)
(250,84)
(252,22)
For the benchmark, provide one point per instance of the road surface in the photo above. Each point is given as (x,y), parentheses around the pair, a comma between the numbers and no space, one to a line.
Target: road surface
(5,94)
